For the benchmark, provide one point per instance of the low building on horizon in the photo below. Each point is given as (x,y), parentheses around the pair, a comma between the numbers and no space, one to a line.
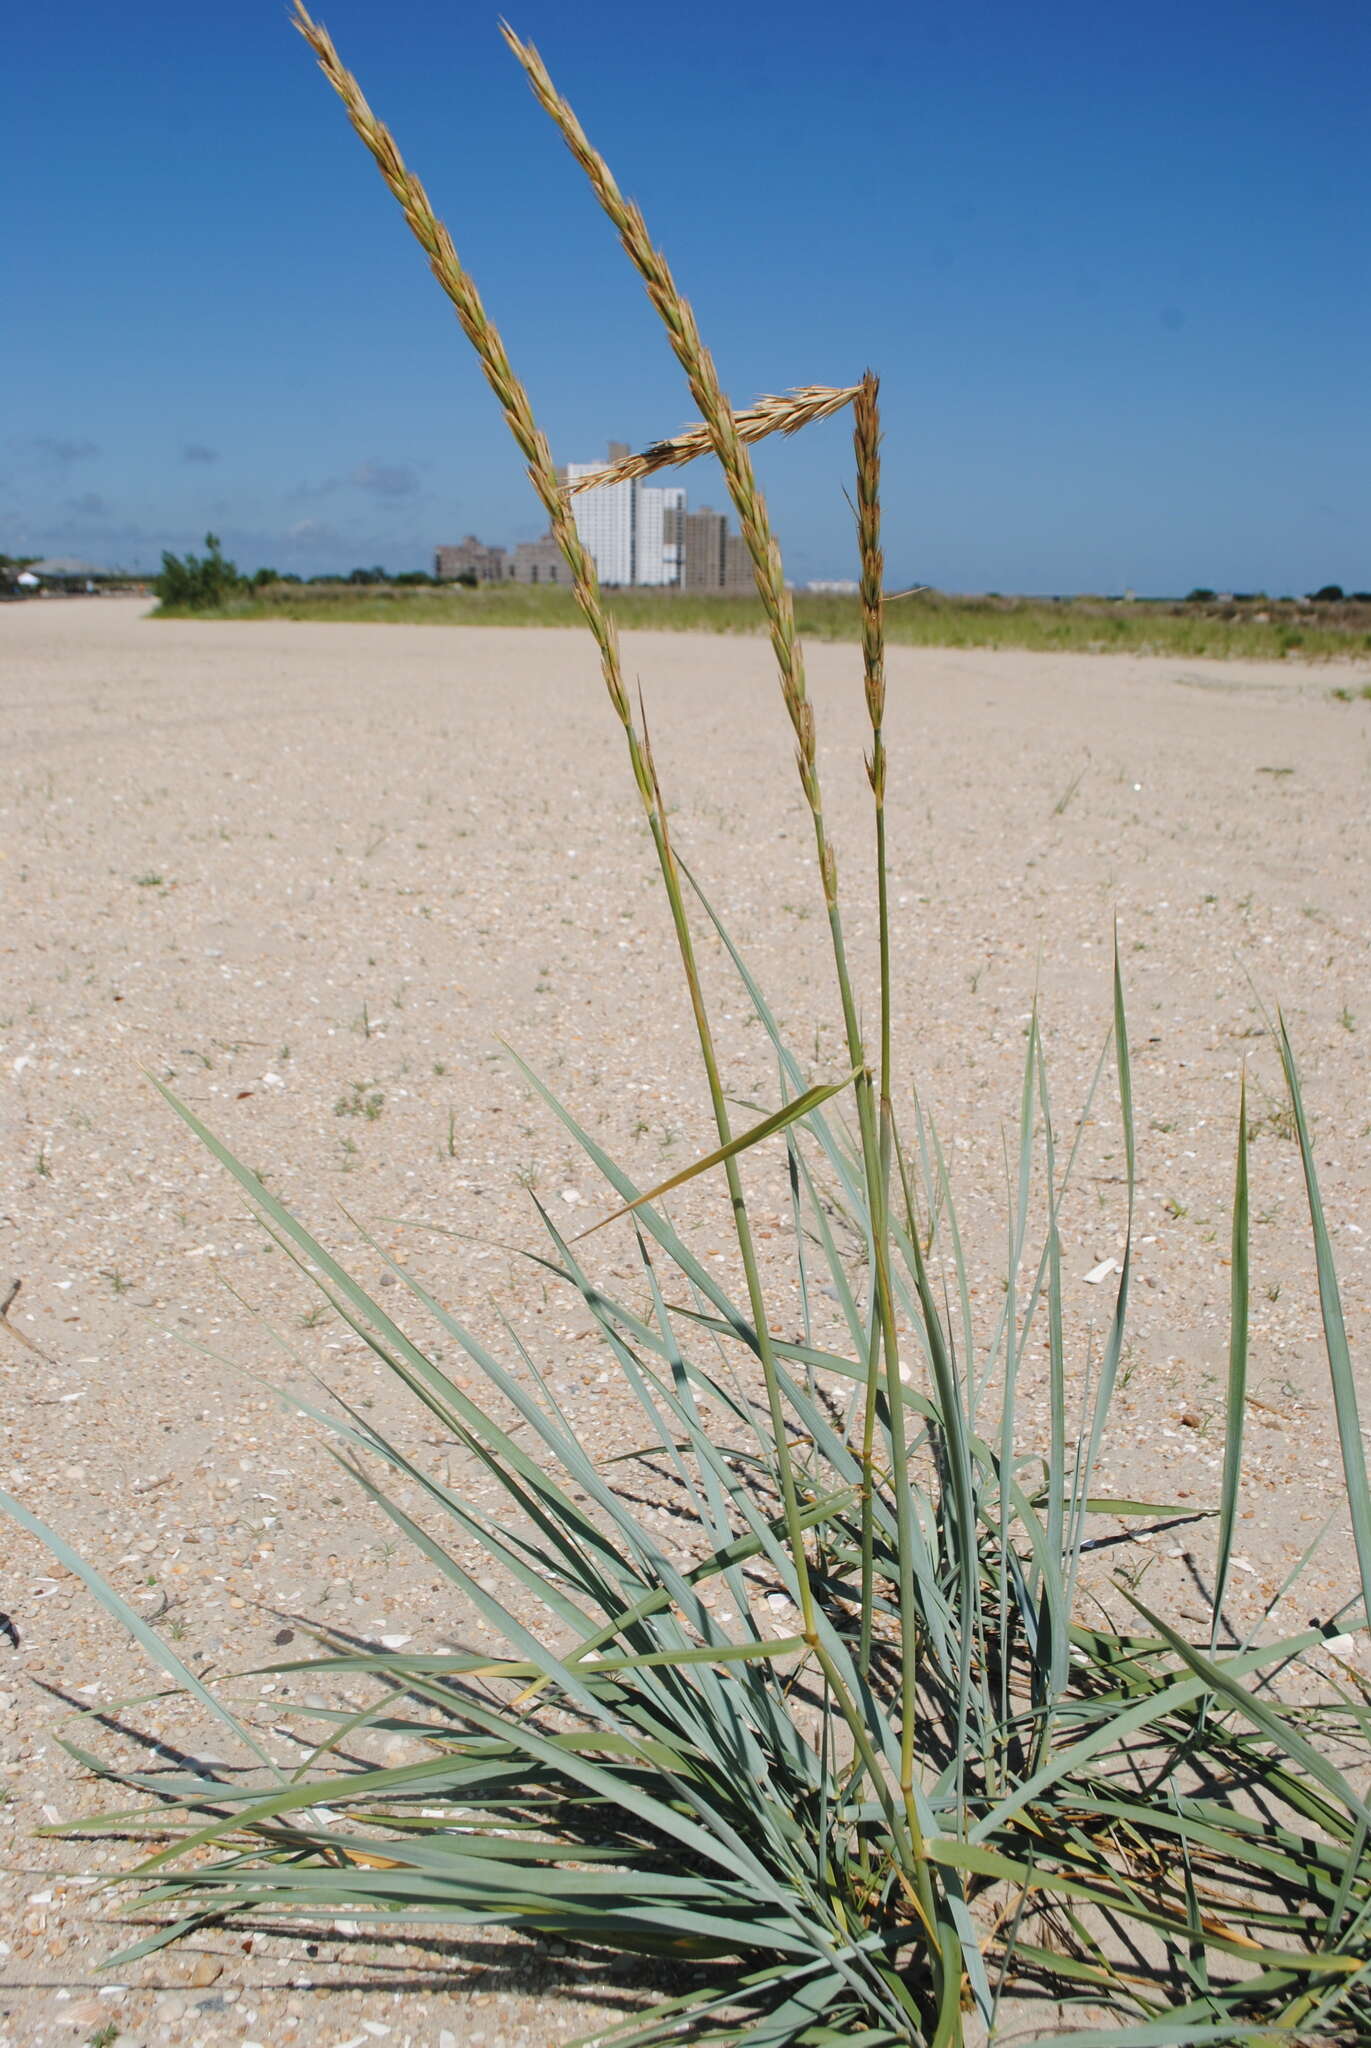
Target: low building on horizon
(539,561)
(532,561)
(471,557)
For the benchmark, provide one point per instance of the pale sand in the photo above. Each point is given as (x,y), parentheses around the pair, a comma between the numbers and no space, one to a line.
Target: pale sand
(384,848)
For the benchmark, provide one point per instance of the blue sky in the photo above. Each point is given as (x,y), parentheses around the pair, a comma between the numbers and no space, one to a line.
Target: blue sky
(1110,262)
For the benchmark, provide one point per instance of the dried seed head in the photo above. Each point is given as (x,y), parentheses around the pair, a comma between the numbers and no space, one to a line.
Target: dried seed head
(485,338)
(782,415)
(866,439)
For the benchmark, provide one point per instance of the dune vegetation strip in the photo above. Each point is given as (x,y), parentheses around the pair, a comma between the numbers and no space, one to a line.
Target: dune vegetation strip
(864,1740)
(918,619)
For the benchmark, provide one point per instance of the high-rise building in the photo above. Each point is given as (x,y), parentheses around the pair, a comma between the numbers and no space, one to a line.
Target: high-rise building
(624,524)
(605,518)
(657,559)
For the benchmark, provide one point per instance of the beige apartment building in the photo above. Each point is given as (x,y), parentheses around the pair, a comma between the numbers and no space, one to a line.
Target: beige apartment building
(470,558)
(711,557)
(532,561)
(539,561)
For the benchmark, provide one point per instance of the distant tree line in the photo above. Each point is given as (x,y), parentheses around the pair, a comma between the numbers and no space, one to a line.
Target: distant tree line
(208,582)
(405,579)
(1331,593)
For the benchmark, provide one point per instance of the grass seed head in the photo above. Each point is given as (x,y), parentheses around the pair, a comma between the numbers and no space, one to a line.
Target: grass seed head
(782,415)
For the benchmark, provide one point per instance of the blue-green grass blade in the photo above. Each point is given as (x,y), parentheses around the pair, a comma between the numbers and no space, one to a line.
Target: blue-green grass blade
(720,1711)
(562,1443)
(956,1436)
(627,1915)
(741,1550)
(1219,1680)
(500,1453)
(779,1120)
(543,1574)
(1335,1338)
(719,1485)
(706,1836)
(1306,2019)
(859,1334)
(1113,1350)
(677,2019)
(797,1228)
(1330,1869)
(584,1680)
(1124,1063)
(840,1155)
(1354,1868)
(1292,1576)
(349,1724)
(175,1930)
(1170,1696)
(792,2019)
(1235,1410)
(494,1610)
(1037,1876)
(959,1267)
(1056,1598)
(650,1219)
(1006,1338)
(1237,2032)
(1057,1186)
(141,1631)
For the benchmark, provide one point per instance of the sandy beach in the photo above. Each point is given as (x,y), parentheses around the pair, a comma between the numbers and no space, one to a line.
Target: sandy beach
(312,877)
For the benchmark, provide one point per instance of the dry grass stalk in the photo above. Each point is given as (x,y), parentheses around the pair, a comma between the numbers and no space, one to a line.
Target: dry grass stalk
(866,441)
(678,318)
(783,415)
(484,336)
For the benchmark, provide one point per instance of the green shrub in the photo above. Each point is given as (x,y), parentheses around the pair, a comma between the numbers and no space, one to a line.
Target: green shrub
(197,583)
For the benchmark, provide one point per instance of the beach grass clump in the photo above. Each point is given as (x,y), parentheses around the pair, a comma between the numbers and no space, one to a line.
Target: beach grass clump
(833,1710)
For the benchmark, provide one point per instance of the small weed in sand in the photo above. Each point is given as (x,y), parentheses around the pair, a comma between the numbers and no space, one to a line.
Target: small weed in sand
(361,1100)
